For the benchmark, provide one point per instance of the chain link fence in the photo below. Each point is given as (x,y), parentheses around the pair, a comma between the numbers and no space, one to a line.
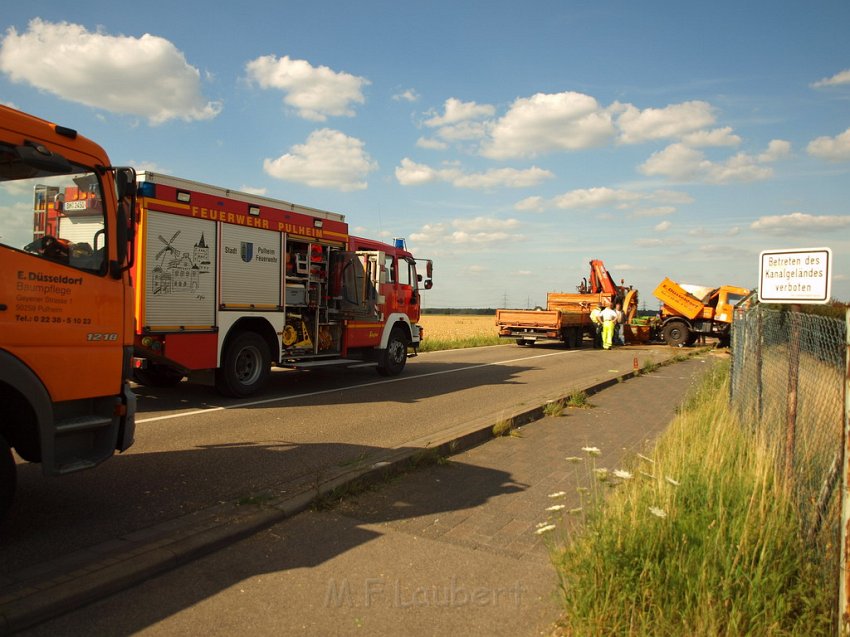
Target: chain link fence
(788,377)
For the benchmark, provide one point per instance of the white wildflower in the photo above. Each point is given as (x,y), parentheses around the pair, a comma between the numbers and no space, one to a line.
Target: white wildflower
(556,507)
(622,474)
(575,511)
(659,513)
(574,459)
(545,529)
(592,451)
(558,494)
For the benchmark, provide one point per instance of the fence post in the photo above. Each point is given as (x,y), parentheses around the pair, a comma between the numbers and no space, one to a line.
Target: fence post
(791,404)
(759,362)
(843,582)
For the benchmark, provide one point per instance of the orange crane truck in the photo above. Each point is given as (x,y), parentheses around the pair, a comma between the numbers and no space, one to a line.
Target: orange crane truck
(66,310)
(691,311)
(567,315)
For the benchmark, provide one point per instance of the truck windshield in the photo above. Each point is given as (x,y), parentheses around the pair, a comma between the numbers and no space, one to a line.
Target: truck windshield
(52,216)
(734,299)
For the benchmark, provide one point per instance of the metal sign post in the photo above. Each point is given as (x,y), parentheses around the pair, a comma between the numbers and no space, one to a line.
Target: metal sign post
(843,583)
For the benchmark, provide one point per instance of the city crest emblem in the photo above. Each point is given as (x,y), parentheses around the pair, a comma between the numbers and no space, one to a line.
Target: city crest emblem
(247,251)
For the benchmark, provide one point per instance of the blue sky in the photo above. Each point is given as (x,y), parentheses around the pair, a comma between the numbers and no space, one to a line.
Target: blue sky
(511,142)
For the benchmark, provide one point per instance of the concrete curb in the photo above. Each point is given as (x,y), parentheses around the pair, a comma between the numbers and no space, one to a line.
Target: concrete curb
(61,586)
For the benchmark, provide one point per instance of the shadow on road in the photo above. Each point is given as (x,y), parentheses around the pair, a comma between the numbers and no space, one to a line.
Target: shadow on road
(304,541)
(336,386)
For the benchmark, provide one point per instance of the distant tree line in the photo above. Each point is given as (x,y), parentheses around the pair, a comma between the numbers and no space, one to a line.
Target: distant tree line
(833,309)
(459,310)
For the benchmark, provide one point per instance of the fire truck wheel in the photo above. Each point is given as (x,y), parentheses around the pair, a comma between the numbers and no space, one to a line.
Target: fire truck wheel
(7,477)
(245,366)
(395,356)
(157,376)
(675,333)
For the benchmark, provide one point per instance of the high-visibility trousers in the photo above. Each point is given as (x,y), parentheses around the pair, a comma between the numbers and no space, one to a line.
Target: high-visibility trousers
(607,334)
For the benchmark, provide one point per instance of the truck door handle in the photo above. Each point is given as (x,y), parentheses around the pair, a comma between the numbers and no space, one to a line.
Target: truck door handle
(3,307)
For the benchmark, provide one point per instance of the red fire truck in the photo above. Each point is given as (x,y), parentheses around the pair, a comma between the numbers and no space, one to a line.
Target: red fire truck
(234,283)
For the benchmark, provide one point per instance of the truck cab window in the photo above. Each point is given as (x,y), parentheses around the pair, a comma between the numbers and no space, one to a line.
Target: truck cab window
(58,217)
(404,273)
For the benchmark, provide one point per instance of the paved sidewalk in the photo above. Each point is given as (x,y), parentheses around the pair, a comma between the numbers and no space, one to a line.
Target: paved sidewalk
(450,548)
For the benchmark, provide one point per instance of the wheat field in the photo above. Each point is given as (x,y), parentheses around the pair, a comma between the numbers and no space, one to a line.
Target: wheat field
(457,326)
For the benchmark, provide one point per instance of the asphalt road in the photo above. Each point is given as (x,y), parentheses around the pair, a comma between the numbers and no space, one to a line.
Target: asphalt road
(194,449)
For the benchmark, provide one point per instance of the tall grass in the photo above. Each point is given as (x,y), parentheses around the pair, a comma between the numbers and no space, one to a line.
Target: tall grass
(702,541)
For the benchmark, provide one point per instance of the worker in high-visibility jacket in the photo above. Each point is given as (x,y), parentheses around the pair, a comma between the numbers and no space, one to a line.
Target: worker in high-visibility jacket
(596,319)
(609,320)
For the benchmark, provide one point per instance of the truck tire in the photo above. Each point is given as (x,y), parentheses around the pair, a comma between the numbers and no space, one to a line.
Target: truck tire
(573,335)
(394,357)
(157,375)
(675,333)
(245,366)
(522,342)
(7,477)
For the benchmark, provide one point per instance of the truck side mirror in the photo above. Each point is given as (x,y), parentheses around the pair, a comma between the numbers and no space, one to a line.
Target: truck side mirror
(125,187)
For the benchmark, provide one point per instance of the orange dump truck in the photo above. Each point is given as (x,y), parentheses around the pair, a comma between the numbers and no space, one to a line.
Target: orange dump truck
(567,315)
(691,311)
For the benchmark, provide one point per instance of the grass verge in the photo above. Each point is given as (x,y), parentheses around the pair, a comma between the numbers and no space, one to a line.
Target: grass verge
(481,340)
(702,541)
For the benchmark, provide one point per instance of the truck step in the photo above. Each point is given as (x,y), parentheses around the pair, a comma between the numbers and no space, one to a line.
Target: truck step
(82,423)
(75,465)
(348,362)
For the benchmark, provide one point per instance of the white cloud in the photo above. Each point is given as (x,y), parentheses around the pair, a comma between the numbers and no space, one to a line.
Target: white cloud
(656,242)
(464,131)
(777,149)
(664,226)
(595,197)
(681,163)
(431,144)
(831,148)
(146,76)
(503,178)
(530,204)
(316,92)
(549,122)
(800,223)
(456,111)
(716,137)
(409,173)
(604,197)
(653,211)
(408,95)
(839,79)
(329,159)
(663,123)
(479,231)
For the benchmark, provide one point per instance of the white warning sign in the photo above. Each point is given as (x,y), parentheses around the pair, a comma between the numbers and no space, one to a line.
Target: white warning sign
(801,275)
